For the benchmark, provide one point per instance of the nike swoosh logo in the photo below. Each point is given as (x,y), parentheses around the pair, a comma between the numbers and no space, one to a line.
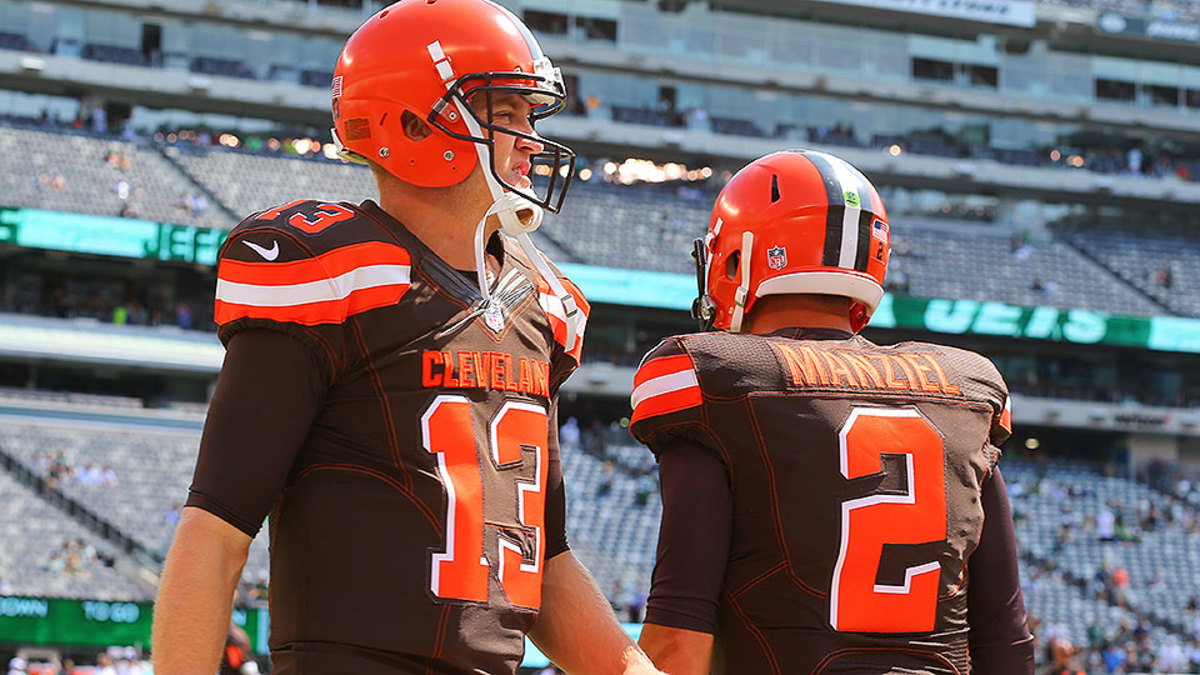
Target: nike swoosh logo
(268,253)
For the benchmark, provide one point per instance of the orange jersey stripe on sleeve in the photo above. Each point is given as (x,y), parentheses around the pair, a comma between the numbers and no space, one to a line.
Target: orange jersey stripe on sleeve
(331,264)
(324,289)
(665,385)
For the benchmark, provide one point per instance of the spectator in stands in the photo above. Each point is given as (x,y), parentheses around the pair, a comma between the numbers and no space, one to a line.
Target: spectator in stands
(172,516)
(1114,657)
(568,434)
(1133,159)
(1105,524)
(605,486)
(644,487)
(183,316)
(89,475)
(104,665)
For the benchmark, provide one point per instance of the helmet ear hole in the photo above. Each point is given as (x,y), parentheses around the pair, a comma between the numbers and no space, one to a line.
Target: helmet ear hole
(732,264)
(415,128)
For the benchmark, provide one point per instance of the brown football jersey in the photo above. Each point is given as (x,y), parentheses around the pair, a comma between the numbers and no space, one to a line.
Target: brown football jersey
(856,473)
(410,533)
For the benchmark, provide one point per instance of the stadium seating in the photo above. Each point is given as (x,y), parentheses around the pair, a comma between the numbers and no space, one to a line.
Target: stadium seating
(83,173)
(32,532)
(1056,508)
(949,259)
(153,468)
(938,257)
(1140,259)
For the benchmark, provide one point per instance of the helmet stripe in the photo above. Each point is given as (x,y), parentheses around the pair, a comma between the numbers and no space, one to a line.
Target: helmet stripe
(865,217)
(835,212)
(848,221)
(534,48)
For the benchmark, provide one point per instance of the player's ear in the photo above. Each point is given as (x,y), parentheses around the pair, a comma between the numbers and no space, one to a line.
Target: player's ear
(414,127)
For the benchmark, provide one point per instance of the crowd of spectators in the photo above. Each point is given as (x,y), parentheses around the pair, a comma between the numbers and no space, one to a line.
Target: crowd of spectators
(1125,647)
(75,557)
(58,470)
(115,660)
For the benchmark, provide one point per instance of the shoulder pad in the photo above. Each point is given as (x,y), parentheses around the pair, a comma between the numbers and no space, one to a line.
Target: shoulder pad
(557,310)
(271,268)
(665,382)
(983,380)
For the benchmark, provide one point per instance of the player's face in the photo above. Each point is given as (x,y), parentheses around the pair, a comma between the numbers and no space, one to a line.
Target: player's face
(513,155)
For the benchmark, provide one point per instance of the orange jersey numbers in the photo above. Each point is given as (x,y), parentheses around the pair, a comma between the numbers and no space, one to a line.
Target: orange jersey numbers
(321,216)
(461,570)
(916,515)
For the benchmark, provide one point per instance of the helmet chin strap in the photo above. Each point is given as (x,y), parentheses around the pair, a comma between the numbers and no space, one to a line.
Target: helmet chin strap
(509,207)
(743,291)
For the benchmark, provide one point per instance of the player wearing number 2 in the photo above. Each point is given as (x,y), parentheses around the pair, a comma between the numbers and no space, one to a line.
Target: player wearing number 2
(829,505)
(389,392)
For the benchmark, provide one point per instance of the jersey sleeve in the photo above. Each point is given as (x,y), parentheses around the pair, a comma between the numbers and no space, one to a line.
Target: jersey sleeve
(693,540)
(295,270)
(267,395)
(667,401)
(999,630)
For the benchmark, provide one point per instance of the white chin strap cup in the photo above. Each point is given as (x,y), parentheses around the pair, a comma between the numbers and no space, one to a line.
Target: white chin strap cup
(517,215)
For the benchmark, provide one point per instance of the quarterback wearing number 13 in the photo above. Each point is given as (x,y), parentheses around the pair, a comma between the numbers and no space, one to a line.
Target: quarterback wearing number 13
(830,505)
(389,392)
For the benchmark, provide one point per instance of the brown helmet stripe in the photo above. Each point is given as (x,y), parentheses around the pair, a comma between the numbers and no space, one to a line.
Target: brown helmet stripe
(836,212)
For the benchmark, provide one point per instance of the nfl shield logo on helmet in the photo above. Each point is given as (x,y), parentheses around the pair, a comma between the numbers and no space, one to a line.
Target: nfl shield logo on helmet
(777,257)
(494,318)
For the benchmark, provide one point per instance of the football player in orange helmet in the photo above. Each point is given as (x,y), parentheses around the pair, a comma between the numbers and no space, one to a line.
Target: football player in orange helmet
(823,496)
(389,395)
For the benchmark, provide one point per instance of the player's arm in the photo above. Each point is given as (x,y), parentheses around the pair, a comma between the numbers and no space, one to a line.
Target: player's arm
(195,597)
(576,628)
(693,547)
(999,632)
(266,398)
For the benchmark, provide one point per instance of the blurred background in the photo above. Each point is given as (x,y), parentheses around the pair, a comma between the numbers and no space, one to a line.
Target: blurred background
(1039,161)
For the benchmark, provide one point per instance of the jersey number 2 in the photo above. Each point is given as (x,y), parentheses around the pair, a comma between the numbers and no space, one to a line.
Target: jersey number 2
(461,571)
(856,601)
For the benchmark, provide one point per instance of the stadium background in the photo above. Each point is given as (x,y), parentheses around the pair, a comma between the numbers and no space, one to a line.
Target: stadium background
(1039,161)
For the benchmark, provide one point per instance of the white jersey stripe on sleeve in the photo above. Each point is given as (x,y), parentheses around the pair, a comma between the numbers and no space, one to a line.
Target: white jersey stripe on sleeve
(337,288)
(664,384)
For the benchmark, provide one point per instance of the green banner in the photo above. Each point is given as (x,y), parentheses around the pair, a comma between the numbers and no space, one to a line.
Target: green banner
(107,235)
(87,623)
(95,623)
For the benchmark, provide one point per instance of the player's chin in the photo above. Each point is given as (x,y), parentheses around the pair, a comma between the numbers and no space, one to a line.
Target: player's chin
(520,181)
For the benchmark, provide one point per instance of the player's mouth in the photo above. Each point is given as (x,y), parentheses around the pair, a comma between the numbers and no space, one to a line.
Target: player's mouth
(519,174)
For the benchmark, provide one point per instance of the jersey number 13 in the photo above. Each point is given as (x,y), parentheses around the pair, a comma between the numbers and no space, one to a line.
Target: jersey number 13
(461,571)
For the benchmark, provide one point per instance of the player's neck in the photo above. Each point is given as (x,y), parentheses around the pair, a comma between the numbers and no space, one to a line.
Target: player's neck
(768,317)
(444,219)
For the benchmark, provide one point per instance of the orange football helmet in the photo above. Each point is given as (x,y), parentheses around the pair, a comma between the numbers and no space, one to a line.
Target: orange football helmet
(430,58)
(792,222)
